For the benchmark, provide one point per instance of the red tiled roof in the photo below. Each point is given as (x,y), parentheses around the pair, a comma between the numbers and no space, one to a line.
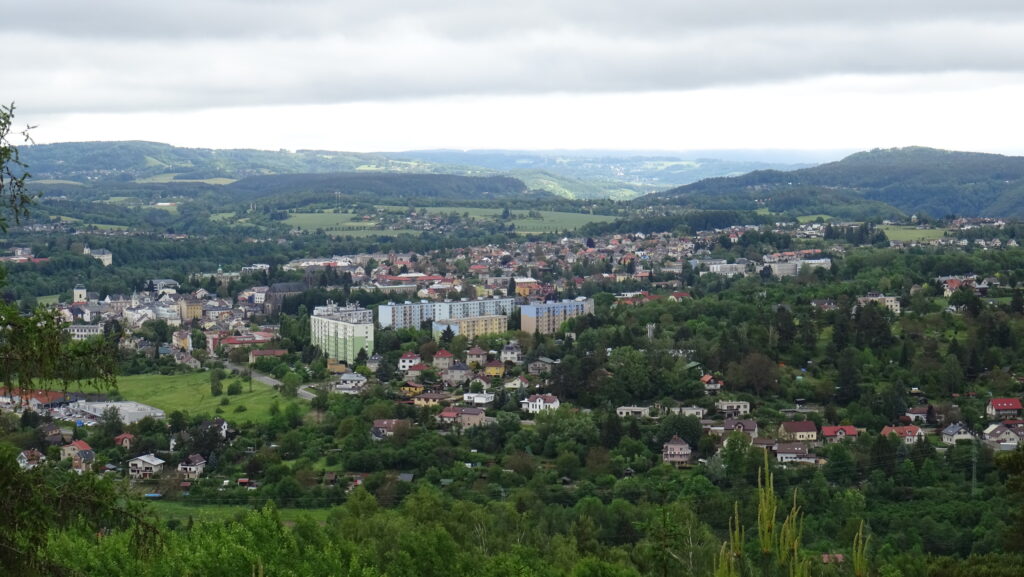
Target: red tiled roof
(908,431)
(1006,404)
(848,430)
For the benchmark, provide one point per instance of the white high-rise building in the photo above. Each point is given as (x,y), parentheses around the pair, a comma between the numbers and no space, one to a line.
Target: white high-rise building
(412,315)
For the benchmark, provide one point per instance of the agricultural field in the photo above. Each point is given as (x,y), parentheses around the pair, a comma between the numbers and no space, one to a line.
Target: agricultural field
(911,233)
(327,220)
(191,393)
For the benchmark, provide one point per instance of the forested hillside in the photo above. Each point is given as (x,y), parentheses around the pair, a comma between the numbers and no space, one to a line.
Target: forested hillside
(912,180)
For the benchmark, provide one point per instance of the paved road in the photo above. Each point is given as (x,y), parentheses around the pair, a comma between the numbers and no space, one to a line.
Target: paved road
(268,380)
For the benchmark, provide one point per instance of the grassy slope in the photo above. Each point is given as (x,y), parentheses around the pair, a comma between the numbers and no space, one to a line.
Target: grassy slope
(191,393)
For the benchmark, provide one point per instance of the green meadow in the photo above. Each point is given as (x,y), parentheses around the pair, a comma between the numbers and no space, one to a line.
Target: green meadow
(191,393)
(911,233)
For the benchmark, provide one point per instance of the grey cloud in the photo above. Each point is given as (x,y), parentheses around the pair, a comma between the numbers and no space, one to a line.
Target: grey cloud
(123,55)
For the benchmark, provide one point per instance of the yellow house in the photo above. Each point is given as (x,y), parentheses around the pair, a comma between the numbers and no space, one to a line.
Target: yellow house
(495,369)
(411,389)
(429,399)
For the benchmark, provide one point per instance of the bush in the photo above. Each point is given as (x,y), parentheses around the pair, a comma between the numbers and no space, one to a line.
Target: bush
(240,409)
(235,388)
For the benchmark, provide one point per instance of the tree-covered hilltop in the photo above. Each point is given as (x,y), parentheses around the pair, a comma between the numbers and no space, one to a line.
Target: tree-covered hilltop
(912,180)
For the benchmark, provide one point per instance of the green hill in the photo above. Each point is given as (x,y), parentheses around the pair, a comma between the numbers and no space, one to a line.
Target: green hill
(880,182)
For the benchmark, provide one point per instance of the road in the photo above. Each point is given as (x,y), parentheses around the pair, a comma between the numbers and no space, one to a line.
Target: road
(303,393)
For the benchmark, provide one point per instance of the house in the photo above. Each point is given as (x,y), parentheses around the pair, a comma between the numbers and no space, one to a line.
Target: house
(676,452)
(956,432)
(910,434)
(633,411)
(691,411)
(407,360)
(1003,408)
(350,383)
(733,408)
(838,433)
(430,399)
(512,353)
(443,359)
(192,467)
(494,369)
(478,398)
(537,403)
(798,431)
(746,426)
(711,385)
(794,452)
(416,370)
(80,453)
(465,417)
(218,424)
(30,459)
(541,366)
(457,373)
(411,389)
(386,428)
(476,355)
(145,466)
(373,363)
(1001,435)
(517,384)
(918,414)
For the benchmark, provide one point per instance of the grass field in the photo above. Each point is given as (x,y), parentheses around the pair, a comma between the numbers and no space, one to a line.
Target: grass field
(911,233)
(48,299)
(191,393)
(315,220)
(168,510)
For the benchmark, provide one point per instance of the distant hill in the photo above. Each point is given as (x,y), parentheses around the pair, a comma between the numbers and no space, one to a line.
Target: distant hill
(570,174)
(295,190)
(878,182)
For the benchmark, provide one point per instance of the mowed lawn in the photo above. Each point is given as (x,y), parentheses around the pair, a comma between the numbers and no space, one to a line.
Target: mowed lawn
(191,393)
(911,233)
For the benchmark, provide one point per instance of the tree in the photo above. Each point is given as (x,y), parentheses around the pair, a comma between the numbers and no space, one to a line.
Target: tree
(13,174)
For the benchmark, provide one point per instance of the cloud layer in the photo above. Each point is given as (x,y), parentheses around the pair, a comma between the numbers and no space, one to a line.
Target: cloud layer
(117,56)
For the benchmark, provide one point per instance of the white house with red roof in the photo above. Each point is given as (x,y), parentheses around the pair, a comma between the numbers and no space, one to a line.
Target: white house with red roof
(1003,408)
(537,403)
(407,360)
(835,434)
(910,434)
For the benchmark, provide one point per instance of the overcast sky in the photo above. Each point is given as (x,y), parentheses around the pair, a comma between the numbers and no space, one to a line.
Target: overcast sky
(525,74)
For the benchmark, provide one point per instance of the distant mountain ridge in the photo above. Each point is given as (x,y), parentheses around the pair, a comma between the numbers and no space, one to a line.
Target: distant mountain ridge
(908,180)
(571,174)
